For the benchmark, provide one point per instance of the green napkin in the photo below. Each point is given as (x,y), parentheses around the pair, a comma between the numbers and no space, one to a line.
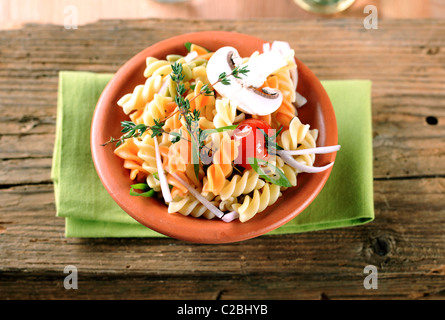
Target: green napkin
(346,199)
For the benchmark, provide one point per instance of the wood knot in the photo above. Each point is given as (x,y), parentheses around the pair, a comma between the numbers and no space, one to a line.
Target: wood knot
(433,51)
(378,248)
(324,296)
(431,120)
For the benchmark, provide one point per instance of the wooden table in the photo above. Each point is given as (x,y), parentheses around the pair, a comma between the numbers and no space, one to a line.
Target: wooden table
(405,59)
(14,13)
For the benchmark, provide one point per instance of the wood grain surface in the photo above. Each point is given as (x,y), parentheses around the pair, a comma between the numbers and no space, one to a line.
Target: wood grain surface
(405,59)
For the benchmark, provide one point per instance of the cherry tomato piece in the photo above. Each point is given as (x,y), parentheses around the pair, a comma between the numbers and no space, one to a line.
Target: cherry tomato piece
(252,141)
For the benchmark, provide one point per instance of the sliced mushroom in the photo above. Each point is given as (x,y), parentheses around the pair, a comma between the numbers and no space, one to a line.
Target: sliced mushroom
(243,91)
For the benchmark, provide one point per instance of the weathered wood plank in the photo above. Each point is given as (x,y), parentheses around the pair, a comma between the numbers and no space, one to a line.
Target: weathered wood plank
(33,250)
(396,243)
(26,146)
(25,171)
(215,287)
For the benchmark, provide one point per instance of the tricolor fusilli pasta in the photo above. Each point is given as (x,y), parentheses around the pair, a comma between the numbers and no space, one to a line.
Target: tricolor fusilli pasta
(196,132)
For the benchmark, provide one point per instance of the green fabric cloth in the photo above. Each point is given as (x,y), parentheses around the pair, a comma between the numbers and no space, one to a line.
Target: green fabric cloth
(346,200)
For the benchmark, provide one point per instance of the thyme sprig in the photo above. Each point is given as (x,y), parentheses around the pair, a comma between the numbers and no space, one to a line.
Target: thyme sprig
(132,130)
(136,130)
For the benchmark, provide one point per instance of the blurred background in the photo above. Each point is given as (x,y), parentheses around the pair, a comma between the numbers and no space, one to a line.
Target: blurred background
(15,13)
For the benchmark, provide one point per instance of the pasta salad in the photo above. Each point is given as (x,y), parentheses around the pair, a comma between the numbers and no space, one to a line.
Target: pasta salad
(217,135)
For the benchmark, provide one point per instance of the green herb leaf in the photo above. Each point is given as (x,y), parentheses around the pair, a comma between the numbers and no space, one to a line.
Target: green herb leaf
(221,129)
(205,133)
(271,143)
(176,137)
(140,186)
(188,46)
(177,74)
(148,192)
(205,89)
(278,176)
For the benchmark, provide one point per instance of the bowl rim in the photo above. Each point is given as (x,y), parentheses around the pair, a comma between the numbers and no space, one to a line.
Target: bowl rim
(183,227)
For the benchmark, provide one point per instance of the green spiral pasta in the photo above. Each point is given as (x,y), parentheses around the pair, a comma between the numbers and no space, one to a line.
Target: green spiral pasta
(200,74)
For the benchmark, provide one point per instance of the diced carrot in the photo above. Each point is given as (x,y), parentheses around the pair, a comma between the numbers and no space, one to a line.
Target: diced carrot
(200,50)
(272,82)
(206,56)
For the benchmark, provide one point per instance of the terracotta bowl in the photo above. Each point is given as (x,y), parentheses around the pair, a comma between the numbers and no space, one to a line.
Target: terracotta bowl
(318,112)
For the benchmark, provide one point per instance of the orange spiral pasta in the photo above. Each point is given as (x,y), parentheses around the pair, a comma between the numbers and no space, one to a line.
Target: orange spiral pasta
(201,102)
(287,111)
(129,152)
(178,157)
(177,188)
(222,165)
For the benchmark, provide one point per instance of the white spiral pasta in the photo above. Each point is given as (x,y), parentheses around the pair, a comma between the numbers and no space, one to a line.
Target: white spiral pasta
(157,72)
(147,153)
(205,123)
(309,142)
(292,138)
(299,136)
(157,67)
(191,206)
(226,205)
(153,183)
(239,185)
(141,95)
(156,109)
(290,173)
(225,112)
(260,200)
(214,139)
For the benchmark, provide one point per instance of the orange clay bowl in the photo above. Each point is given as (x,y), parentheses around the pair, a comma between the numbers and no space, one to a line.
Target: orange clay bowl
(152,213)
